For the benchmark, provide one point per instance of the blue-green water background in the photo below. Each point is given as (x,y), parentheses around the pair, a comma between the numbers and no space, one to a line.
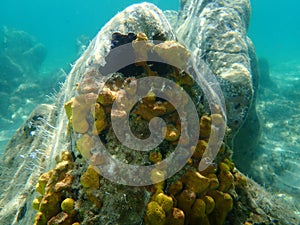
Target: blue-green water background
(57,23)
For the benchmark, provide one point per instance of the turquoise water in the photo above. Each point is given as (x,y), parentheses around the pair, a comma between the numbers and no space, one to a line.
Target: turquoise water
(57,24)
(274,30)
(274,25)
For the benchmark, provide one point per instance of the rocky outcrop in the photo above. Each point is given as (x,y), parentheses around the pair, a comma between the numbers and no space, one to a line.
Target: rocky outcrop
(216,31)
(106,202)
(245,143)
(23,54)
(21,164)
(134,18)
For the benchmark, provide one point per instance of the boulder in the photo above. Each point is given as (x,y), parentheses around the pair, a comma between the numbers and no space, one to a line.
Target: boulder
(216,31)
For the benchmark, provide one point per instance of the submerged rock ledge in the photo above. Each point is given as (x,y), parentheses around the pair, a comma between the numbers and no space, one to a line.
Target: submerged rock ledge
(72,192)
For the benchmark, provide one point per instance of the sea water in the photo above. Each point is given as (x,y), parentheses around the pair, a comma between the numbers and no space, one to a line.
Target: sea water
(275,32)
(57,24)
(65,28)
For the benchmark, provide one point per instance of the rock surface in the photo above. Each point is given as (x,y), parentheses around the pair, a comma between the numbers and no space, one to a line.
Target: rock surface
(21,164)
(246,141)
(216,31)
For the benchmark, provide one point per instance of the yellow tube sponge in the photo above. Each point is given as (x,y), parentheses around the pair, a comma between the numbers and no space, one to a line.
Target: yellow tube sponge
(176,217)
(240,180)
(84,145)
(230,164)
(198,209)
(165,201)
(106,96)
(141,46)
(68,108)
(199,149)
(43,179)
(213,181)
(40,219)
(175,188)
(210,204)
(99,126)
(155,157)
(223,205)
(173,52)
(36,203)
(66,156)
(185,200)
(100,122)
(171,132)
(157,109)
(226,178)
(217,119)
(98,111)
(205,126)
(90,179)
(80,112)
(195,181)
(50,204)
(197,215)
(67,205)
(157,177)
(155,215)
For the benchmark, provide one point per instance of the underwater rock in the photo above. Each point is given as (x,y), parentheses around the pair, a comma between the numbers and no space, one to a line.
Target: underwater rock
(216,31)
(264,72)
(219,36)
(21,165)
(215,196)
(22,52)
(172,17)
(247,139)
